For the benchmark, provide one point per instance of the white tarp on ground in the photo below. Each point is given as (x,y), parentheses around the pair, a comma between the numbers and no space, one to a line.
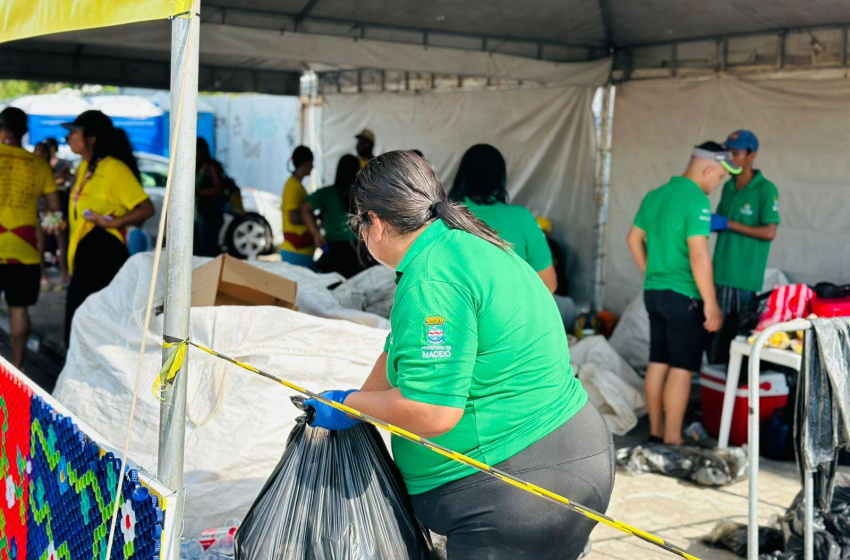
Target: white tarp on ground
(238,422)
(546,136)
(612,386)
(802,129)
(255,136)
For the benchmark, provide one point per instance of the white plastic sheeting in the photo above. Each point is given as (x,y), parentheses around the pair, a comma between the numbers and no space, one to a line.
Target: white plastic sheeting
(546,136)
(255,136)
(238,422)
(801,125)
(372,290)
(612,386)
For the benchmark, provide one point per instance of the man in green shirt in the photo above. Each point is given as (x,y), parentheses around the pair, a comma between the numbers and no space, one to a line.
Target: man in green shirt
(669,242)
(745,221)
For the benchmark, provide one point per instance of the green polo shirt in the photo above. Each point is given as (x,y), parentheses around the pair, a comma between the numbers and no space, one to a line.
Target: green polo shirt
(670,215)
(474,328)
(334,217)
(740,260)
(516,225)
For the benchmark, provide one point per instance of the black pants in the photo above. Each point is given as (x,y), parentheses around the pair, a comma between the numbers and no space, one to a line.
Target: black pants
(487,519)
(100,255)
(341,257)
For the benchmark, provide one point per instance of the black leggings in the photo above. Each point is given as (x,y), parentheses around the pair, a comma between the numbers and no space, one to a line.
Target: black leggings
(487,519)
(99,257)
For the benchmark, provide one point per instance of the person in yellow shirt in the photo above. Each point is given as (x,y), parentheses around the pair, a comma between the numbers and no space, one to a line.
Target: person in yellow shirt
(24,179)
(106,198)
(297,245)
(365,146)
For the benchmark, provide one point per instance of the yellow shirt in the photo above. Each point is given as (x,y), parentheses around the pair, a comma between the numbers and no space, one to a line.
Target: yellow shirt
(112,190)
(24,178)
(296,238)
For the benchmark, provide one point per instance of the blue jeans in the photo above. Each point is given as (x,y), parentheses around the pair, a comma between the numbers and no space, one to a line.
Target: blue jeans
(298,259)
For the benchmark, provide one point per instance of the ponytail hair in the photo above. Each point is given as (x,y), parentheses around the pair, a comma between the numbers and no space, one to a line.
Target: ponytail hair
(402,189)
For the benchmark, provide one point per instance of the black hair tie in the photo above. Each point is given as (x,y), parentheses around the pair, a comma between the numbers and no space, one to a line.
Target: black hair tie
(432,210)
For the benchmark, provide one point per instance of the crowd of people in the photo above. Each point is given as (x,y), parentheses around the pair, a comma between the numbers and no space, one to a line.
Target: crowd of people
(321,220)
(78,216)
(88,212)
(689,294)
(477,355)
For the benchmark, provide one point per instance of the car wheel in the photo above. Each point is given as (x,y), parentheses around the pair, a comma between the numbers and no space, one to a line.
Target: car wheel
(248,237)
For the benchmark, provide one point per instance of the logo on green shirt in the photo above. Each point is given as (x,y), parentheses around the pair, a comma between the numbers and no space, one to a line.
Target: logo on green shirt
(747,209)
(435,338)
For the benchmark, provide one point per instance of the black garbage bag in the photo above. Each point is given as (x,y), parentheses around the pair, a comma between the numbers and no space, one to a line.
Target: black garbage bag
(332,496)
(706,467)
(831,527)
(822,418)
(733,536)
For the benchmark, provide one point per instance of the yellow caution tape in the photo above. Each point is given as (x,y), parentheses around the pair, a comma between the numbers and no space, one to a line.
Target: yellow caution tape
(169,370)
(175,361)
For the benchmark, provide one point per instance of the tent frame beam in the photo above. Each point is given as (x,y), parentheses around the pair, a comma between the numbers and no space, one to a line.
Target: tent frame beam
(726,36)
(362,26)
(29,64)
(624,68)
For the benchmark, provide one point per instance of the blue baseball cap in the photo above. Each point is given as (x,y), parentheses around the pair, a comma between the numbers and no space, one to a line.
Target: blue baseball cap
(743,140)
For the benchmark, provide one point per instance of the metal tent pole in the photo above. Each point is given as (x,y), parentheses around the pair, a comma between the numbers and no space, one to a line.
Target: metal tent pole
(603,155)
(178,290)
(753,420)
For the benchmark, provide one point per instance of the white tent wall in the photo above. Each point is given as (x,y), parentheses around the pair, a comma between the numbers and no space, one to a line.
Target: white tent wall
(255,136)
(800,121)
(546,135)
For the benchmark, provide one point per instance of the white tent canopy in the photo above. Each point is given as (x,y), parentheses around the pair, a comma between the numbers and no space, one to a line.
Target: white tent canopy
(263,45)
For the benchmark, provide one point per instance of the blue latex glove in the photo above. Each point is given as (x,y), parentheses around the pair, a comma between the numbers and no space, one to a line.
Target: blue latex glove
(719,223)
(328,417)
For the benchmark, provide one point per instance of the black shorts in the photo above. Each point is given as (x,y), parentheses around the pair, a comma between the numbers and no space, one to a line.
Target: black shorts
(676,333)
(20,283)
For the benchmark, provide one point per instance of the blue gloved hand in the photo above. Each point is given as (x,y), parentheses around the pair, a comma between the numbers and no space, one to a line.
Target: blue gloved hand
(328,417)
(719,223)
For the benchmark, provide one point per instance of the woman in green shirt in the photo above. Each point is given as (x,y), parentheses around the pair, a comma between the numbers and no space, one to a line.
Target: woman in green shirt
(333,203)
(481,185)
(477,360)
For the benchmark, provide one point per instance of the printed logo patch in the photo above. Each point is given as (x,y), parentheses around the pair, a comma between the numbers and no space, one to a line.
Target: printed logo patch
(435,338)
(435,330)
(747,209)
(775,204)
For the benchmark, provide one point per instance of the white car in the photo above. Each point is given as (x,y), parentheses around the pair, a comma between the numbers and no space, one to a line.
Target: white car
(258,232)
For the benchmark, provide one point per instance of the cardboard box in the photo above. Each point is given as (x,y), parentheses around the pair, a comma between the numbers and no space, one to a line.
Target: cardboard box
(230,281)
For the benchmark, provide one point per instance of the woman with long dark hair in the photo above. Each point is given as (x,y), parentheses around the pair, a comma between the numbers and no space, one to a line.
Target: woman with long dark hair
(477,360)
(297,245)
(209,198)
(334,204)
(106,198)
(481,185)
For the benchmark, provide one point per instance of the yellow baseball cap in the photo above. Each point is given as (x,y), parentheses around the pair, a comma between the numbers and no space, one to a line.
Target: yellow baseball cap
(544,224)
(367,134)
